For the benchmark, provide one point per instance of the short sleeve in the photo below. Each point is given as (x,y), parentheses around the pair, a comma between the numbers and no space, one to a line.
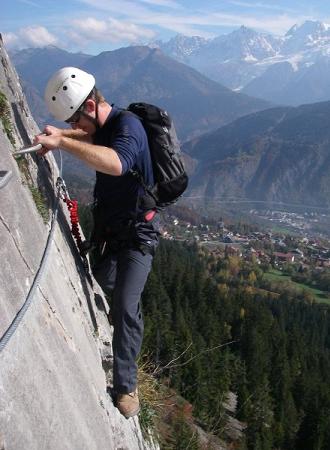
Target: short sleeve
(127,141)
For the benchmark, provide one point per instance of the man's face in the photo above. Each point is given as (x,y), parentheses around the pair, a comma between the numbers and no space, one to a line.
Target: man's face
(83,118)
(85,124)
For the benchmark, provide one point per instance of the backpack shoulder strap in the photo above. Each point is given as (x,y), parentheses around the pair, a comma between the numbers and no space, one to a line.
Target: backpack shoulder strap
(152,200)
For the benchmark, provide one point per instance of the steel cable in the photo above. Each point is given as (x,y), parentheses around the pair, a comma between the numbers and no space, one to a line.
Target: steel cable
(37,279)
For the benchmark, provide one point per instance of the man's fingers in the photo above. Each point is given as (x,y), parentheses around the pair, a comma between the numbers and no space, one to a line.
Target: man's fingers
(48,141)
(38,140)
(42,151)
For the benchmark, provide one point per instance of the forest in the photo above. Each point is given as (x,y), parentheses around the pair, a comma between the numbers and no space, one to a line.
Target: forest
(231,333)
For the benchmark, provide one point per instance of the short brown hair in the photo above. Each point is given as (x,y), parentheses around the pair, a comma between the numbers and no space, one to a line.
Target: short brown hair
(96,95)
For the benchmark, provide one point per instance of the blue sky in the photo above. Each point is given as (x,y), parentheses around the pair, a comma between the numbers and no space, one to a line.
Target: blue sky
(92,26)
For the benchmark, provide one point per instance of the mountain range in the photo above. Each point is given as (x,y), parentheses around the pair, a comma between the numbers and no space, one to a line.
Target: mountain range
(235,146)
(292,69)
(140,73)
(281,155)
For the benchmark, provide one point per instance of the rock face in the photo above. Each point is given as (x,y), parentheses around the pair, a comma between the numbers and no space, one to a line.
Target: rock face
(53,389)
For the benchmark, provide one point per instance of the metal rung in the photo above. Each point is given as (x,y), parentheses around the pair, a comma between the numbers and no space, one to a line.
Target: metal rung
(32,149)
(5,176)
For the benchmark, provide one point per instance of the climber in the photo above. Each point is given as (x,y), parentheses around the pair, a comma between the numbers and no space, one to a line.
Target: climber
(112,143)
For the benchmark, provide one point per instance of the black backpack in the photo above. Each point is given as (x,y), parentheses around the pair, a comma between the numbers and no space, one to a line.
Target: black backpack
(170,177)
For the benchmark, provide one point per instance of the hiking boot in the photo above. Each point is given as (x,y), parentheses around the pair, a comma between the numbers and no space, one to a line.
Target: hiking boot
(128,404)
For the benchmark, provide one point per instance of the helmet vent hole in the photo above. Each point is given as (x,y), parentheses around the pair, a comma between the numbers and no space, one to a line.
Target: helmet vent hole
(54,98)
(73,76)
(65,88)
(71,107)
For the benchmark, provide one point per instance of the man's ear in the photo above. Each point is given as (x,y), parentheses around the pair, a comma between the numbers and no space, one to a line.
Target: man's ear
(90,105)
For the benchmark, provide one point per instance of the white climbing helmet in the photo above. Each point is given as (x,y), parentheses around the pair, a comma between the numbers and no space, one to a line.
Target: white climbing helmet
(67,90)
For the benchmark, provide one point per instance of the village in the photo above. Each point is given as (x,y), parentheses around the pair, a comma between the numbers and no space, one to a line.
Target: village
(275,248)
(315,221)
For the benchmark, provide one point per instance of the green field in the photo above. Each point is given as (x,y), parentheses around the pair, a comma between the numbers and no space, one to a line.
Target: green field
(277,275)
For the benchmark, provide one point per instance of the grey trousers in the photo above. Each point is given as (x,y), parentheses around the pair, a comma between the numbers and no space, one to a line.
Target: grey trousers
(125,273)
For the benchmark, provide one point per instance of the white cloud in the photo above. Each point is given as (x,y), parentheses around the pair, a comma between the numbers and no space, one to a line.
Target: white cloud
(34,36)
(10,39)
(258,5)
(90,26)
(167,3)
(111,30)
(145,12)
(198,24)
(140,21)
(107,5)
(274,24)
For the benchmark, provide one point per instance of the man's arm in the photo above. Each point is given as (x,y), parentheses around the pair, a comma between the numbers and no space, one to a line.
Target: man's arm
(100,158)
(77,134)
(103,159)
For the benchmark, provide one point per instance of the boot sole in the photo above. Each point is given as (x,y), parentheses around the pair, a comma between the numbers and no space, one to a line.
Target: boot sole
(132,414)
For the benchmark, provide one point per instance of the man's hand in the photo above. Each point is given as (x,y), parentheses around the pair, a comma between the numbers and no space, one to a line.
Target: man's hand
(52,136)
(49,139)
(50,130)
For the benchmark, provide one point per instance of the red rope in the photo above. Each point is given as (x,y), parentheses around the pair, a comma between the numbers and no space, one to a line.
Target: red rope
(74,218)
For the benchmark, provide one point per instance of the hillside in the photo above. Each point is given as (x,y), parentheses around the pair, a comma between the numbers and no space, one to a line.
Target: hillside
(234,330)
(281,154)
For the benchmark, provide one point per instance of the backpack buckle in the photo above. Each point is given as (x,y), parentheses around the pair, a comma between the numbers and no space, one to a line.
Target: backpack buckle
(149,215)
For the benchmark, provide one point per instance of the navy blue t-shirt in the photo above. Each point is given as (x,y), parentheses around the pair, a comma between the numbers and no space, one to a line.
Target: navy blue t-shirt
(124,133)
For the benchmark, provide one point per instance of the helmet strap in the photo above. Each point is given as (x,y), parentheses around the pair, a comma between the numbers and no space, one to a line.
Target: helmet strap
(97,125)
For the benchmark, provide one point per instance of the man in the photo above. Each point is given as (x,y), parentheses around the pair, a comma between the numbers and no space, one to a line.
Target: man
(114,143)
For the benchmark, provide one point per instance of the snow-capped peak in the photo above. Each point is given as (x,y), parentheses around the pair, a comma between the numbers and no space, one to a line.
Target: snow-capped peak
(307,29)
(292,31)
(308,35)
(236,58)
(180,46)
